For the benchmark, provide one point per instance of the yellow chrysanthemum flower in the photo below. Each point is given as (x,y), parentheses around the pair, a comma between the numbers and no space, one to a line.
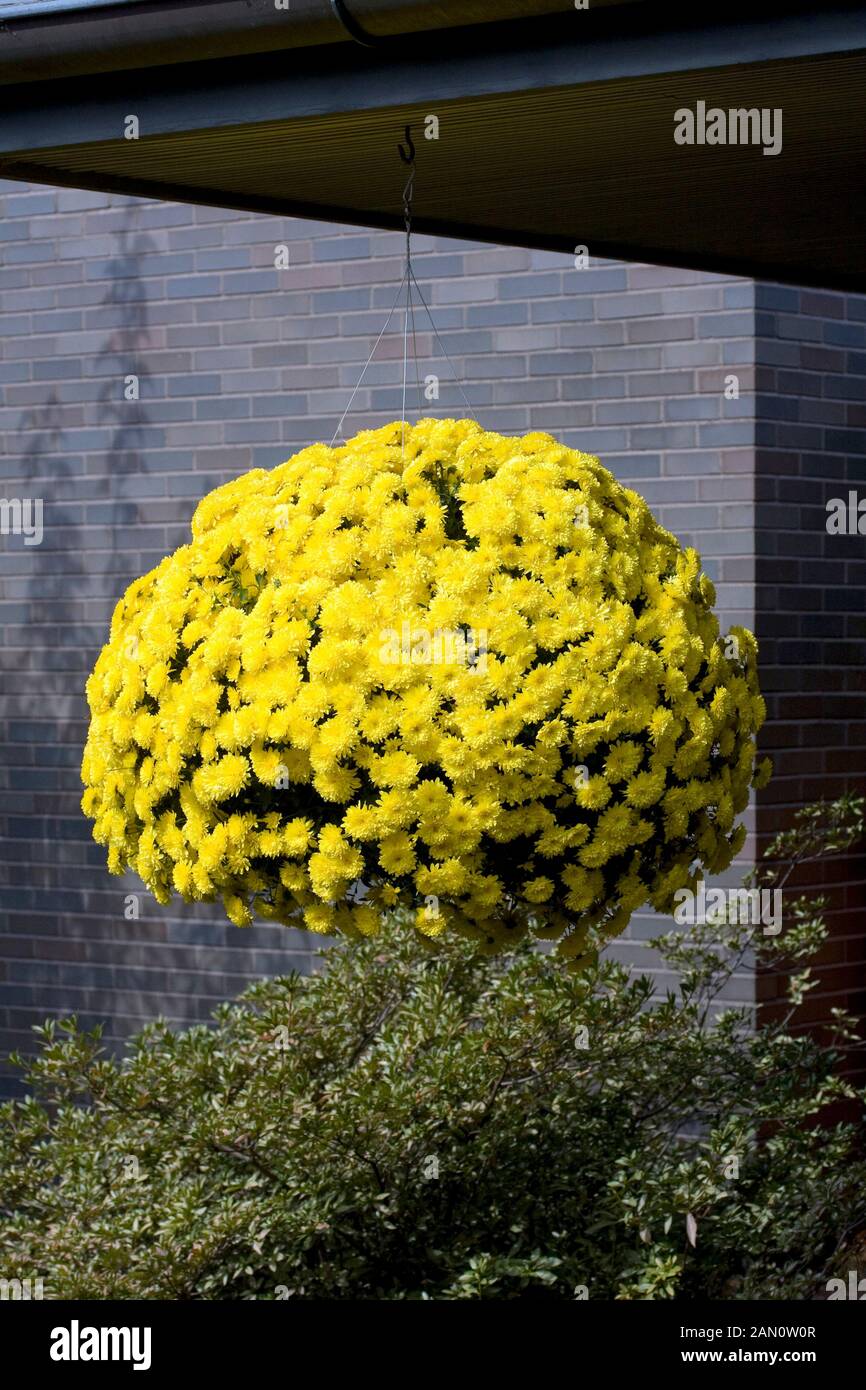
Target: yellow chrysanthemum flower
(435,668)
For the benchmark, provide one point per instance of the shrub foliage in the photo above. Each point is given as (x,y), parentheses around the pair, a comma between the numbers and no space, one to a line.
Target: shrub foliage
(419,1120)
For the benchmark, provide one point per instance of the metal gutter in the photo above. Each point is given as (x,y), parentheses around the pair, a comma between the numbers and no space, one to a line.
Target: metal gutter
(351,80)
(52,38)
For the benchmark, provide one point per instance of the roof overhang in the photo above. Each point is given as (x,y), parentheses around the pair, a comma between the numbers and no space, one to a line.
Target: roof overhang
(554,131)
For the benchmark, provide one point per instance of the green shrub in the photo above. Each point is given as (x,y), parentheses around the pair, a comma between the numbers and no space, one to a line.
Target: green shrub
(418,1121)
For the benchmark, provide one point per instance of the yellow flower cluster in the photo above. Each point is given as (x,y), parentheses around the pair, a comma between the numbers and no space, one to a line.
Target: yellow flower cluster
(277,719)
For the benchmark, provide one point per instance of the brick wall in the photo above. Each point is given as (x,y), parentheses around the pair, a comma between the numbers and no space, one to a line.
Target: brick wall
(810,598)
(240,364)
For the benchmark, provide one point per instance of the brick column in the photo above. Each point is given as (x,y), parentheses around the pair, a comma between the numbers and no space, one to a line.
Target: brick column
(810,597)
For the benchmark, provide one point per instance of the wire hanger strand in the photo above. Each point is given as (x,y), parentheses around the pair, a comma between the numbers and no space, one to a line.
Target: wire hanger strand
(410,280)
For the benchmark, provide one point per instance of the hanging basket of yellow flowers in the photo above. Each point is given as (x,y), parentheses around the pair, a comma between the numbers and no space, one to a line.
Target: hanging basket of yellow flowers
(433,668)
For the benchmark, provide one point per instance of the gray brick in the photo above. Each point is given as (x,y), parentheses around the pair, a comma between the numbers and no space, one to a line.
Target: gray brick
(529,391)
(591,334)
(695,300)
(627,412)
(562,310)
(594,280)
(659,330)
(717,435)
(593,387)
(328,301)
(691,355)
(627,359)
(560,363)
(737,325)
(694,408)
(193,286)
(343,248)
(195,384)
(280,405)
(507,364)
(31,204)
(661,437)
(661,383)
(466,290)
(517,339)
(218,260)
(632,305)
(531,286)
(482,315)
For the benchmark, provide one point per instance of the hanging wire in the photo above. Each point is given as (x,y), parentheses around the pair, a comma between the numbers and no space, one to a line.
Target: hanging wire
(405,346)
(457,382)
(415,359)
(408,157)
(369,359)
(410,280)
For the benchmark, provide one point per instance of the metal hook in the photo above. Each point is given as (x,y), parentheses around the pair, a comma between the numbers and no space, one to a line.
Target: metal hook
(407,158)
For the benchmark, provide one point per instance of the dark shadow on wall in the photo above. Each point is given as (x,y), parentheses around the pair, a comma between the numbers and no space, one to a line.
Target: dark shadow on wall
(122,359)
(42,428)
(53,874)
